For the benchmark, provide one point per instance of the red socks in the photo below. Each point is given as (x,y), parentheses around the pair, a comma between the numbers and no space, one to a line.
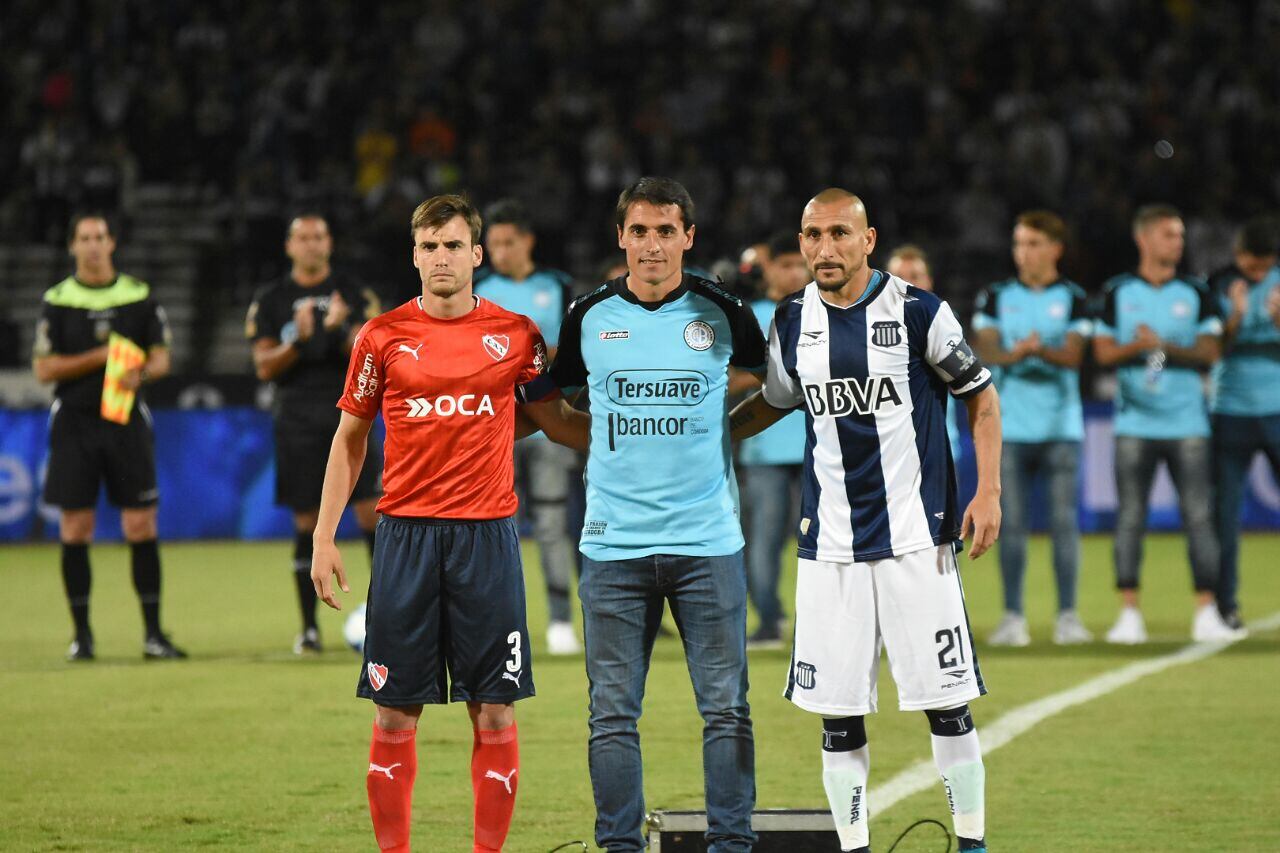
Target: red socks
(393,764)
(495,770)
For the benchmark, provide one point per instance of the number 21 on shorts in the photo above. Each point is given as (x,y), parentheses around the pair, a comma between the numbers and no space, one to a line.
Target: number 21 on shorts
(951,640)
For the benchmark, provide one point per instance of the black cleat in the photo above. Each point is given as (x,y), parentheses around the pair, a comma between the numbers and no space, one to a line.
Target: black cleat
(308,643)
(81,648)
(158,647)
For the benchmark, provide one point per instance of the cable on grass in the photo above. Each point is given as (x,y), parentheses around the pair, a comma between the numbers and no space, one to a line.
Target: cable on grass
(946,833)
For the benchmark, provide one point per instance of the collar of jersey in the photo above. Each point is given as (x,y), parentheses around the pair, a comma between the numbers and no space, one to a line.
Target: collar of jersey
(619,286)
(874,287)
(1057,281)
(423,311)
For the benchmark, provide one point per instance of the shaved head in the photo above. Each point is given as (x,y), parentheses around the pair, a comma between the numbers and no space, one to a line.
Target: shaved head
(834,197)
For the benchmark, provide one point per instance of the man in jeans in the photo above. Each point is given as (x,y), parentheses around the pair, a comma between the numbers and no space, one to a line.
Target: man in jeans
(1246,402)
(654,348)
(1161,332)
(1031,329)
(771,461)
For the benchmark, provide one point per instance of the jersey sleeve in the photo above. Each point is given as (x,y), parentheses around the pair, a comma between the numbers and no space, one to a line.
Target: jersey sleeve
(362,393)
(568,369)
(1104,317)
(48,339)
(749,350)
(950,356)
(533,384)
(1081,319)
(984,311)
(781,390)
(159,333)
(261,323)
(551,328)
(1209,321)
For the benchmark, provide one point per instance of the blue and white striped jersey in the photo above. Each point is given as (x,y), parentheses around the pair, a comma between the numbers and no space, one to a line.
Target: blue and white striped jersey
(879,480)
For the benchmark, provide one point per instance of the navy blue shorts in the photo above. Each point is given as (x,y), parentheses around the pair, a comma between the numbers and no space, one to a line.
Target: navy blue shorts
(445,620)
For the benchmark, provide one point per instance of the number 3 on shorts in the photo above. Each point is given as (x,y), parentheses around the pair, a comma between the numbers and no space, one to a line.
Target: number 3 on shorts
(517,659)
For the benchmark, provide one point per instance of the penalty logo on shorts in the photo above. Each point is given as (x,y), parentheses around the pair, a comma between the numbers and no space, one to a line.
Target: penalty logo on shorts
(806,675)
(377,675)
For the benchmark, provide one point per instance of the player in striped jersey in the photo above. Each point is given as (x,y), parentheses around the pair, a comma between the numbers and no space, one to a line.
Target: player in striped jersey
(871,358)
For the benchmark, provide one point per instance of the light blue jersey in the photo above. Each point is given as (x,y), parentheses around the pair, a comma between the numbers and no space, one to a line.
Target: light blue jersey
(782,443)
(543,297)
(1039,401)
(659,473)
(1155,398)
(1247,380)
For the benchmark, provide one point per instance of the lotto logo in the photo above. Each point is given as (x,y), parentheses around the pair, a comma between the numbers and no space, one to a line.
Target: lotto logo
(446,406)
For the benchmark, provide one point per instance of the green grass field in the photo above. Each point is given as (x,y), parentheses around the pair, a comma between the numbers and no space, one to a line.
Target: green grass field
(245,747)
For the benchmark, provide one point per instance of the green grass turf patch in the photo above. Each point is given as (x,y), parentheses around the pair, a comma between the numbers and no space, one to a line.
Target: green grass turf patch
(246,747)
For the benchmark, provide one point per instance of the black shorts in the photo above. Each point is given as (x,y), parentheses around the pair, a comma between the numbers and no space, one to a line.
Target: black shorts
(85,452)
(302,453)
(445,620)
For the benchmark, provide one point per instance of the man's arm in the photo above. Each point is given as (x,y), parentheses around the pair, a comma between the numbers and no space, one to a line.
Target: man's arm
(983,512)
(753,415)
(742,381)
(1108,353)
(1206,351)
(346,458)
(986,342)
(1070,354)
(562,423)
(272,358)
(59,368)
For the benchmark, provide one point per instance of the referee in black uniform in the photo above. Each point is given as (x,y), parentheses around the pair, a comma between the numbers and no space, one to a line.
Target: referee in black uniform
(78,316)
(302,328)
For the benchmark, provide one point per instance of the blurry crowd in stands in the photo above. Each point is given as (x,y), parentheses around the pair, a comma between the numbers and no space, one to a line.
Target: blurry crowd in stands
(948,119)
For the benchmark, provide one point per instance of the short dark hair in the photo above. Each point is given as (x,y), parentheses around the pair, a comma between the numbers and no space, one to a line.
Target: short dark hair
(438,210)
(1046,222)
(81,216)
(509,211)
(1259,236)
(910,252)
(305,214)
(658,192)
(783,243)
(1150,214)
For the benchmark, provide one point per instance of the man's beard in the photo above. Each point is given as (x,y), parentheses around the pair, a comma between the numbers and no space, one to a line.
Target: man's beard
(831,287)
(443,287)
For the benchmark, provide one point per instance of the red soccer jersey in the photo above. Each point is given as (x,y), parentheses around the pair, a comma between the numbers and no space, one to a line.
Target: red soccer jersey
(448,391)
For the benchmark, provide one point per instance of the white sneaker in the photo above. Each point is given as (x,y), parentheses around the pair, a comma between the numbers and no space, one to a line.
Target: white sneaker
(561,640)
(1208,626)
(1012,631)
(1129,629)
(1069,631)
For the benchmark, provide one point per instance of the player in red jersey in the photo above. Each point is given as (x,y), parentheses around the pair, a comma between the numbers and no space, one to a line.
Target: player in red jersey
(445,619)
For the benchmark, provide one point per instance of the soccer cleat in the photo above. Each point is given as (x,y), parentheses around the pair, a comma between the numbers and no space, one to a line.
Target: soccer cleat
(1069,630)
(1208,626)
(308,643)
(561,640)
(1012,631)
(1236,623)
(158,647)
(765,637)
(81,648)
(1129,629)
(969,845)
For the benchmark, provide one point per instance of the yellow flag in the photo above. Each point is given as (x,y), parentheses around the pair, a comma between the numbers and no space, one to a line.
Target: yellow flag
(123,355)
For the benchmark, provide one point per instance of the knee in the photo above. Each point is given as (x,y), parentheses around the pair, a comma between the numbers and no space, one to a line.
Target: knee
(843,734)
(952,722)
(138,526)
(76,528)
(396,719)
(491,718)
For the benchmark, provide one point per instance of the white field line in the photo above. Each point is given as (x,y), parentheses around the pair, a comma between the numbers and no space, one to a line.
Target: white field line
(923,774)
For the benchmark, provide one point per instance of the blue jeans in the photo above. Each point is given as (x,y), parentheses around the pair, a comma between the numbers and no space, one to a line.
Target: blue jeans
(1020,463)
(769,516)
(1235,440)
(622,602)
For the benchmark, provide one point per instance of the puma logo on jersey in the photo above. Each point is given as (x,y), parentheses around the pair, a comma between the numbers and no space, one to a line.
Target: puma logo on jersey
(385,771)
(839,397)
(515,678)
(505,780)
(413,352)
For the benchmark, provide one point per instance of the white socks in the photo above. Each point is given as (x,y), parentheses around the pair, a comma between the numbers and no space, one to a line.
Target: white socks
(845,764)
(959,760)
